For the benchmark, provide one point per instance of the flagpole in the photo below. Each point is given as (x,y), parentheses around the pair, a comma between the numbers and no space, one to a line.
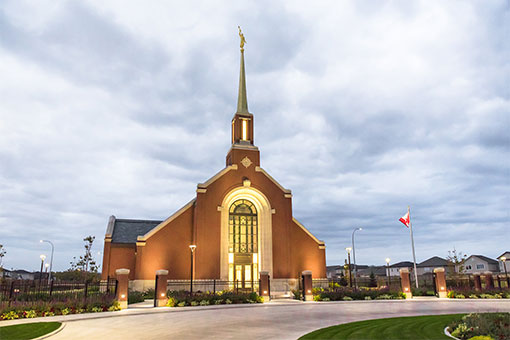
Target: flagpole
(412,243)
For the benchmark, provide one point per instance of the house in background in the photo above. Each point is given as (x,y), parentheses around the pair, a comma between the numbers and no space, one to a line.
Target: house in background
(427,266)
(395,268)
(18,274)
(503,264)
(336,271)
(479,264)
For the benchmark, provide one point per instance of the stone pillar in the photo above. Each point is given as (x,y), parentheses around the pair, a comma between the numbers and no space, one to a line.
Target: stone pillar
(122,287)
(307,285)
(161,284)
(478,282)
(264,286)
(406,283)
(440,282)
(489,281)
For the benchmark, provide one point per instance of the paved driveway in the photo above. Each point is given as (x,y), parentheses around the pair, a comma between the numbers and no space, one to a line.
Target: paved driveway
(268,321)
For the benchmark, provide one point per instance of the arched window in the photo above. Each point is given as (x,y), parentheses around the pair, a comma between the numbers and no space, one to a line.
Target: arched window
(243,227)
(243,244)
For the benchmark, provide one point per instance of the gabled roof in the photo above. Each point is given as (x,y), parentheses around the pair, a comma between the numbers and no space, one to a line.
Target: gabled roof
(403,264)
(377,270)
(485,258)
(506,252)
(433,261)
(127,231)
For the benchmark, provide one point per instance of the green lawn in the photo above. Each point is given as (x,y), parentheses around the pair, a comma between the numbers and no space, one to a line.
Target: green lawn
(412,328)
(28,330)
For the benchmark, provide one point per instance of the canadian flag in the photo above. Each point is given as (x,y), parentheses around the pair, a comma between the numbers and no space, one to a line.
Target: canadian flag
(405,219)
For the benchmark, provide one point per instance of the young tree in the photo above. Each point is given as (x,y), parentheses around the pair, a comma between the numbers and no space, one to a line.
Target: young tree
(86,263)
(456,267)
(373,281)
(2,254)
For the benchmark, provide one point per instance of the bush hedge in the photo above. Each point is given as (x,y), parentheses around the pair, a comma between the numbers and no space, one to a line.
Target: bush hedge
(348,294)
(182,298)
(21,310)
(473,294)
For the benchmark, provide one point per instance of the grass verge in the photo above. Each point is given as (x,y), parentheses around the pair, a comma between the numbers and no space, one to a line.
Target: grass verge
(28,330)
(412,328)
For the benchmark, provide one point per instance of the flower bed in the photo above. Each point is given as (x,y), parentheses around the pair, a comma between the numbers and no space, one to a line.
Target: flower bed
(473,294)
(31,309)
(483,326)
(348,294)
(182,298)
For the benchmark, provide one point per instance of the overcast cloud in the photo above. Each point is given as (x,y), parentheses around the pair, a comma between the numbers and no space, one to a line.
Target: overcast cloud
(361,109)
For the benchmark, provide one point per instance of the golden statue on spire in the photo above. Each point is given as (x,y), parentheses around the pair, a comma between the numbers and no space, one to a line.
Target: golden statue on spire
(243,40)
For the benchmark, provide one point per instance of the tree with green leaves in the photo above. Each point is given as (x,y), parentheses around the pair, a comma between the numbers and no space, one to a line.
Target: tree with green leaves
(373,280)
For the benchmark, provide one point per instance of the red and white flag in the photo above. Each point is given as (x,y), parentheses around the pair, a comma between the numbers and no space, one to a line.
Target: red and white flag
(406,219)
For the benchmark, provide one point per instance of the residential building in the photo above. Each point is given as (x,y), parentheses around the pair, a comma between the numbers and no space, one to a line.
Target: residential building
(395,268)
(476,264)
(503,264)
(427,266)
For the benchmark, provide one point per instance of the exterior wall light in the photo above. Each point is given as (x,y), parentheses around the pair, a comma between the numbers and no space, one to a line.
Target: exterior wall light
(442,288)
(406,289)
(162,294)
(309,291)
(265,292)
(123,296)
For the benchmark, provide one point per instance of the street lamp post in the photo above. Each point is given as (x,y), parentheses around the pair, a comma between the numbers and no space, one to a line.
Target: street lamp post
(192,248)
(503,259)
(51,258)
(354,256)
(388,271)
(42,257)
(349,259)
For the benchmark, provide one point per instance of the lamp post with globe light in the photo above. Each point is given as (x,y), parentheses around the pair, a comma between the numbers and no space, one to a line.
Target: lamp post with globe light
(388,271)
(192,248)
(503,259)
(354,256)
(349,259)
(42,257)
(51,258)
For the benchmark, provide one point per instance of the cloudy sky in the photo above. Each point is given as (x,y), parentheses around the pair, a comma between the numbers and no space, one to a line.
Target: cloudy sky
(361,108)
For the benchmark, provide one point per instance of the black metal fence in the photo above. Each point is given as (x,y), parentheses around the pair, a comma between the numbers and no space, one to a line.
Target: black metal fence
(213,286)
(32,291)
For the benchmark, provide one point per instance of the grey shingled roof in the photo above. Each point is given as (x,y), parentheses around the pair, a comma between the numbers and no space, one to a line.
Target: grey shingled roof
(487,259)
(403,264)
(127,231)
(433,261)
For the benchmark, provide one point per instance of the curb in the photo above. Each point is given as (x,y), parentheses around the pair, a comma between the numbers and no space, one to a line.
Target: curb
(448,333)
(45,336)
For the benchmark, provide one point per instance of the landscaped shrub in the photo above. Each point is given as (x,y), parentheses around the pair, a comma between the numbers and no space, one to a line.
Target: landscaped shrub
(31,309)
(182,298)
(348,294)
(473,294)
(171,301)
(490,325)
(135,296)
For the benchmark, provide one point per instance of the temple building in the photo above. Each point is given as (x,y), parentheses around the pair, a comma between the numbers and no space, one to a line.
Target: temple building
(239,224)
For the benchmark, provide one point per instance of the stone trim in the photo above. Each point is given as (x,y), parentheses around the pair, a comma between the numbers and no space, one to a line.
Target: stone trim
(109,227)
(259,169)
(165,222)
(201,191)
(263,206)
(218,175)
(321,243)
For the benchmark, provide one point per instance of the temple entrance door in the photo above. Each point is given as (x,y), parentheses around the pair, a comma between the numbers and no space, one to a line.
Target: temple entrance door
(243,274)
